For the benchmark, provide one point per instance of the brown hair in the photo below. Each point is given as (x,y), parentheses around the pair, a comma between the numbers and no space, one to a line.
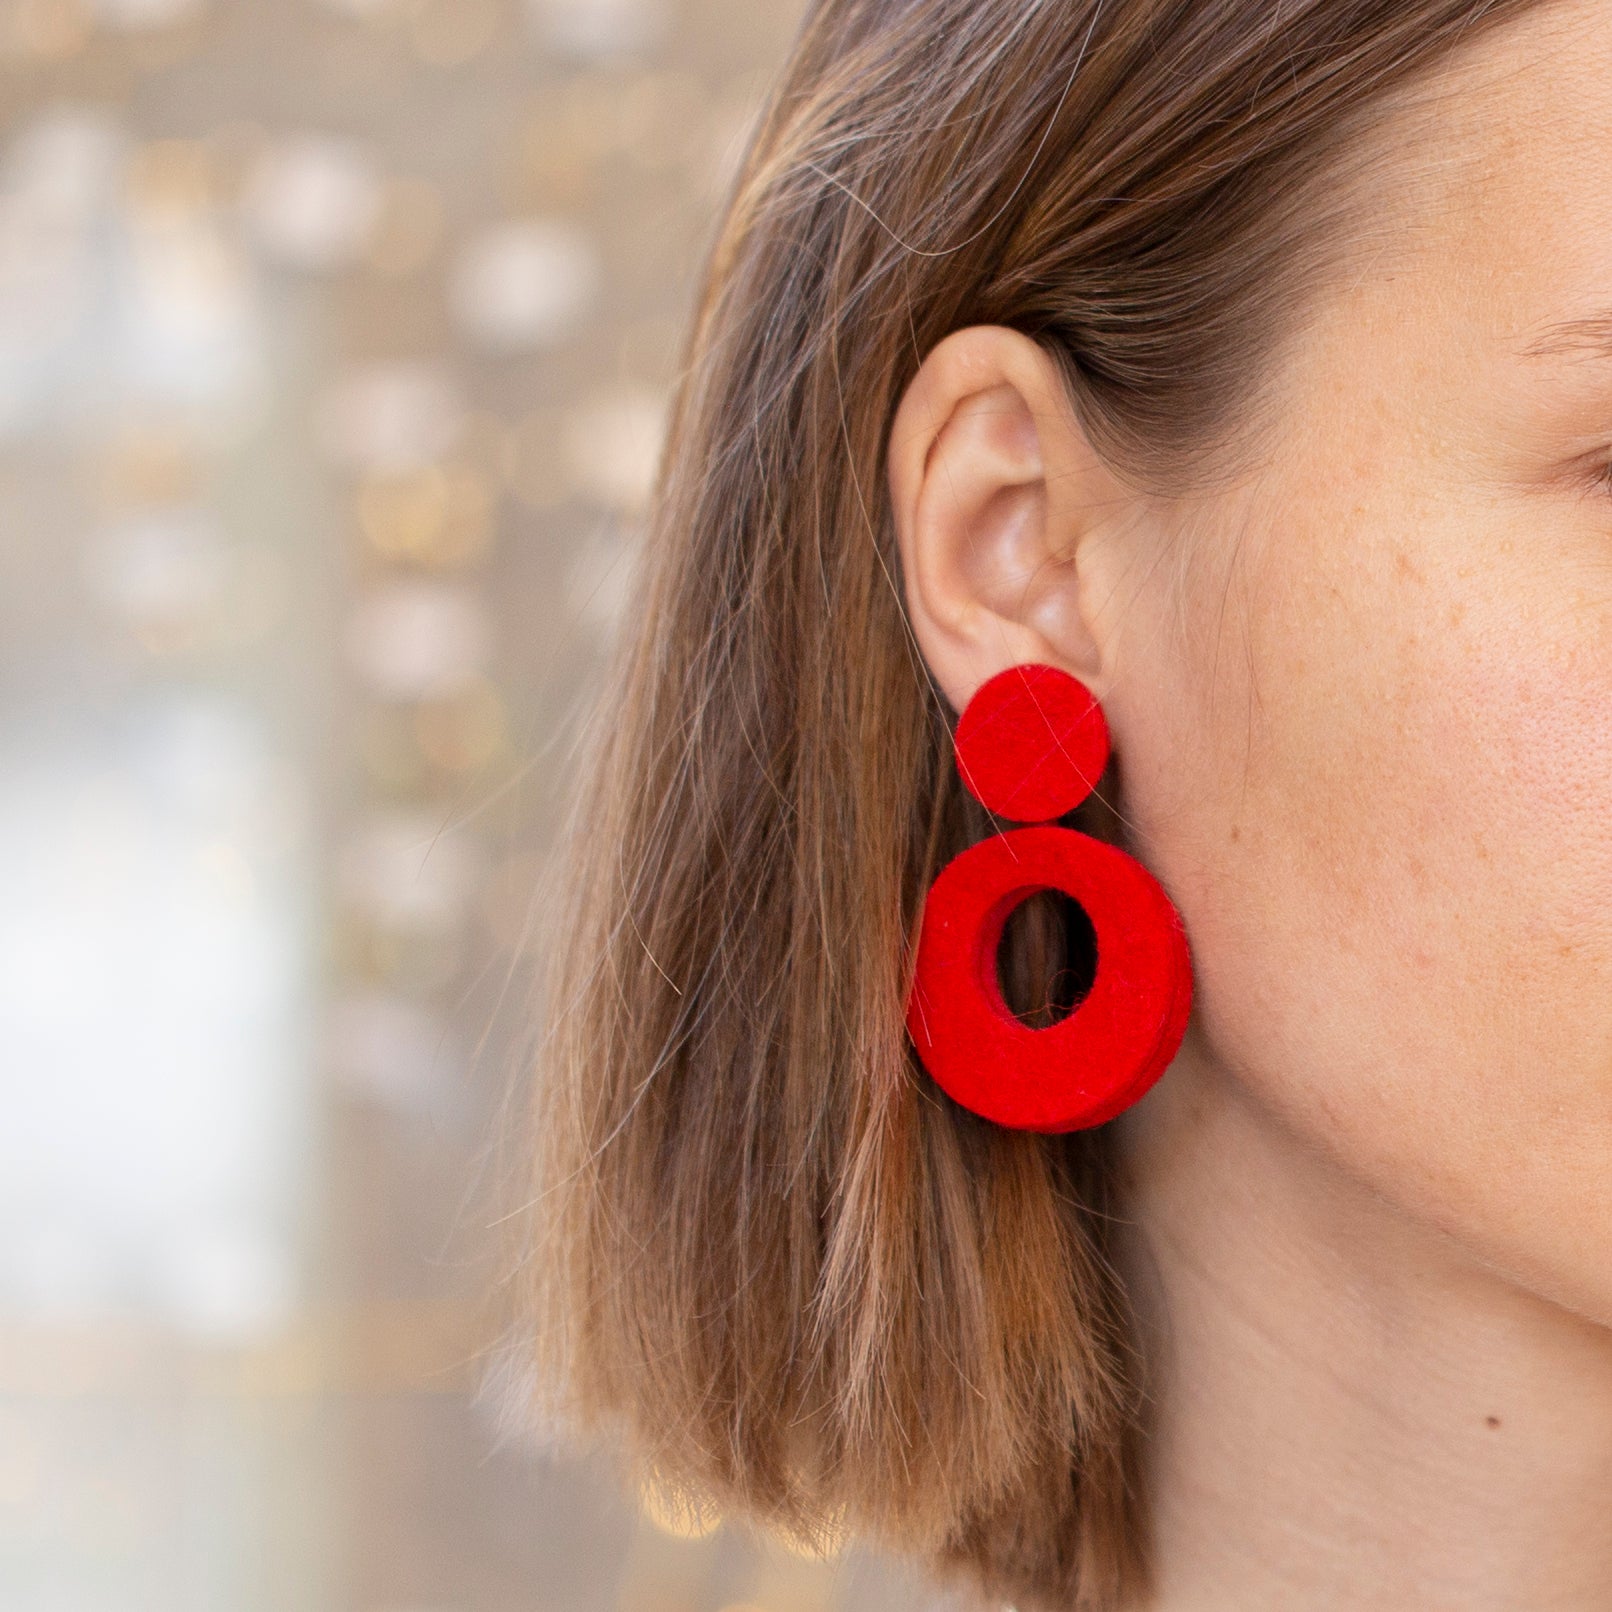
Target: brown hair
(764,1247)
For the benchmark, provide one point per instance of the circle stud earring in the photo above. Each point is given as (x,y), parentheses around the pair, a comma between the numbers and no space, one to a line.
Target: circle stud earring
(1031,746)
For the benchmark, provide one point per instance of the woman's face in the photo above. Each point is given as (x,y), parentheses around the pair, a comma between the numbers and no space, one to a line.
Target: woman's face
(1375,770)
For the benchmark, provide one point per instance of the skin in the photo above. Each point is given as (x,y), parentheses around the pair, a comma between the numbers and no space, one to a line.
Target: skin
(1361,705)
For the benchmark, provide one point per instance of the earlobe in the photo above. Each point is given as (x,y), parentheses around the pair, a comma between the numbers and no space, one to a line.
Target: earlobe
(979,474)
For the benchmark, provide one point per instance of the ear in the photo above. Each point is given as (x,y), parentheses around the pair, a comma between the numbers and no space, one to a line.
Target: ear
(1002,510)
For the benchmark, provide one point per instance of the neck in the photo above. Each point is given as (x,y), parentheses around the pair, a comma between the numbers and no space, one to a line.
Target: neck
(1349,1411)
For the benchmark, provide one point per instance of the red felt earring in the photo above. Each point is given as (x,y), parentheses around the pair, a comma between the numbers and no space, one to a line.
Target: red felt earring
(1031,746)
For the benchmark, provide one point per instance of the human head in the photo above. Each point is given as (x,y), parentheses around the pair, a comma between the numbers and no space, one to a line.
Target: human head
(1078,266)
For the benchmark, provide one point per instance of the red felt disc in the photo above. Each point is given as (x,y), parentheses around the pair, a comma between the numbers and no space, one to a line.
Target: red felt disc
(1117,1041)
(1032,743)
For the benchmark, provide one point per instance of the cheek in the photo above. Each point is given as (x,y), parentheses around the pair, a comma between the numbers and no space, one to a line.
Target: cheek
(1542,727)
(1442,809)
(1399,894)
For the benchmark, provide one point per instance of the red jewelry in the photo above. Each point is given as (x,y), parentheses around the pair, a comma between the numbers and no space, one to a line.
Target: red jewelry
(1031,746)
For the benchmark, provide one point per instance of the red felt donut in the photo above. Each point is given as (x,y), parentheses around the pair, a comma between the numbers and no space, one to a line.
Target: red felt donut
(1117,1041)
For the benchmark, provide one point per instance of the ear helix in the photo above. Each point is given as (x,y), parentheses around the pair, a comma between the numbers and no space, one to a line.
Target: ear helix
(1031,746)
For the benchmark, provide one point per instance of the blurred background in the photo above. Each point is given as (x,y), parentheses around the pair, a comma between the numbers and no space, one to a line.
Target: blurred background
(335,338)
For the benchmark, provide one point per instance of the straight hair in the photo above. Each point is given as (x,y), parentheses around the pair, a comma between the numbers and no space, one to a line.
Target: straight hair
(763,1250)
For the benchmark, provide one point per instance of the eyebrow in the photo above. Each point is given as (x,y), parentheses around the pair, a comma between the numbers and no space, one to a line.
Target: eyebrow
(1588,337)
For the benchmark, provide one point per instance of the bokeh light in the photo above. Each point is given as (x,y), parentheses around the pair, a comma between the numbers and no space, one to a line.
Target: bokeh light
(337,340)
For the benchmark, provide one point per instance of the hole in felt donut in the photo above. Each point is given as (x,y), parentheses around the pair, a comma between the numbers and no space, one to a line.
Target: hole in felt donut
(1047,959)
